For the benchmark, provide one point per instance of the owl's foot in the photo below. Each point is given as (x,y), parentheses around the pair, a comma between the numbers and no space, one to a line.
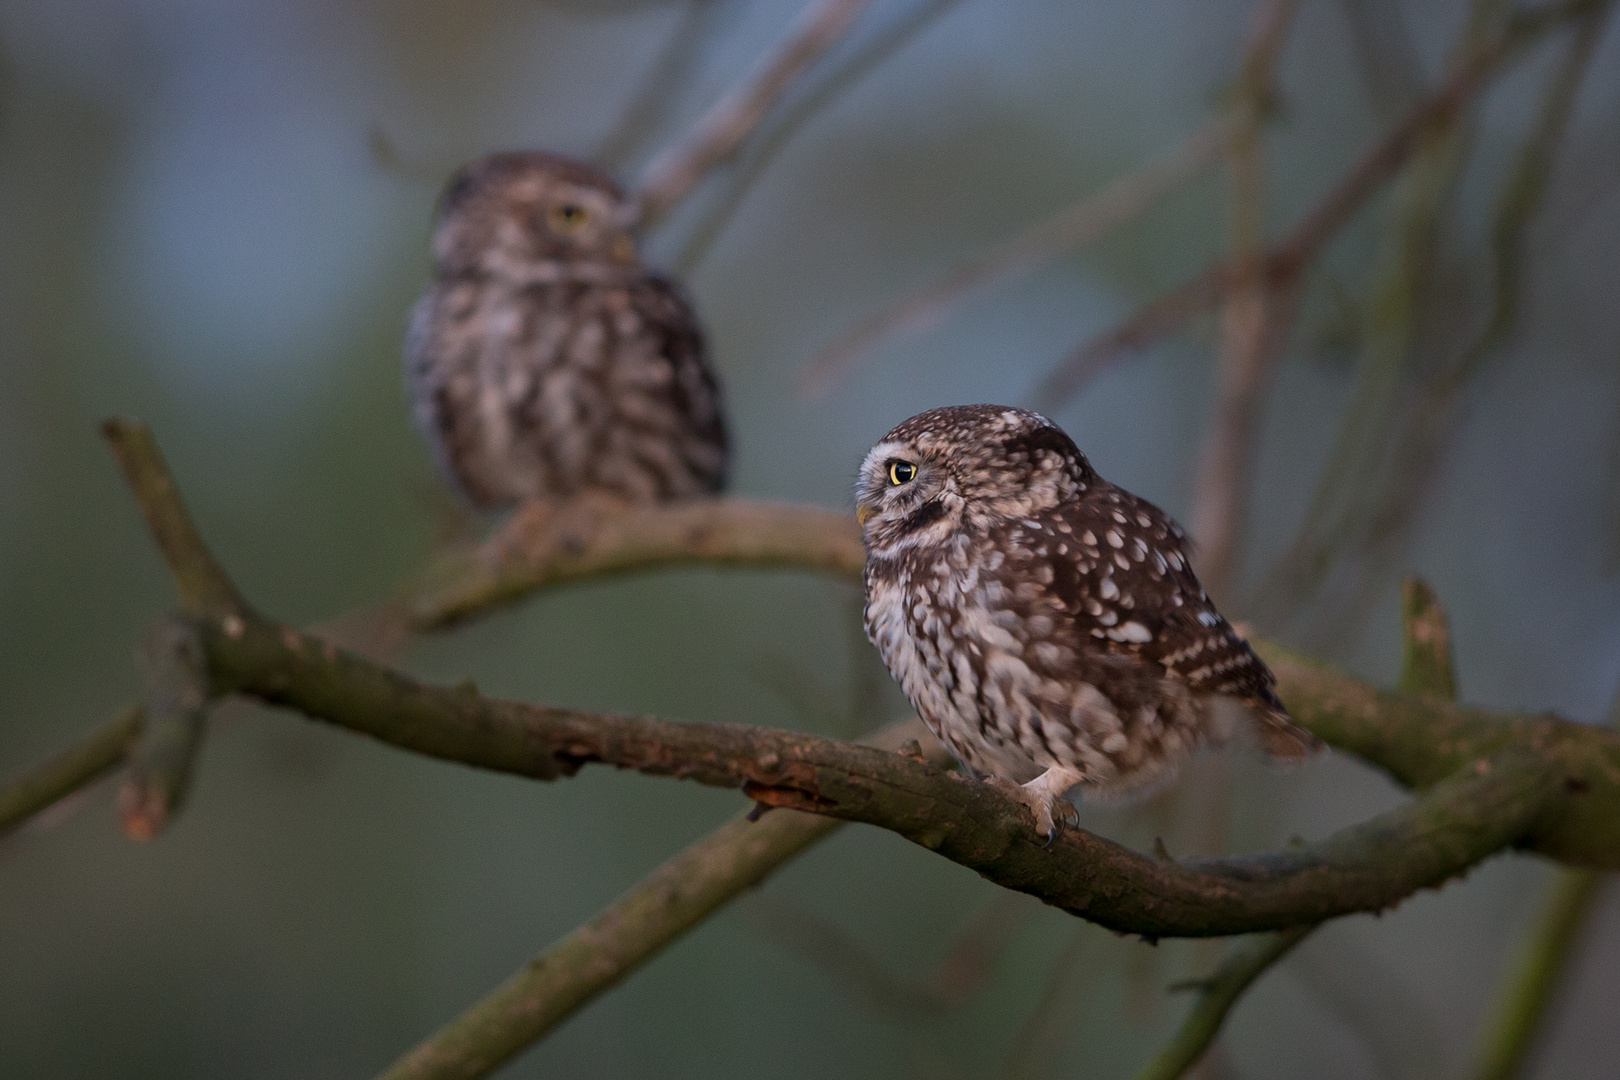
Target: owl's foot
(1044,796)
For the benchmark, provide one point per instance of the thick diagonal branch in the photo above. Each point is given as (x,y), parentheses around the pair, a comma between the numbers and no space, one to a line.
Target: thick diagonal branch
(1512,797)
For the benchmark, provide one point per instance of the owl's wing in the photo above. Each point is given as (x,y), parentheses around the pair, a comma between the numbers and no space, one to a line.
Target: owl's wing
(1120,569)
(667,315)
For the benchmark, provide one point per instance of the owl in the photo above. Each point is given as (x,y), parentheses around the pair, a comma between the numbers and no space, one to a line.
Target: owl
(1044,623)
(545,361)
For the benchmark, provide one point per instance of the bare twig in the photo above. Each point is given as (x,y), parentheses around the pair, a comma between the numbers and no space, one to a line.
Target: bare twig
(660,87)
(653,913)
(717,137)
(1294,254)
(1216,996)
(761,151)
(102,751)
(1164,315)
(1072,228)
(205,588)
(1253,325)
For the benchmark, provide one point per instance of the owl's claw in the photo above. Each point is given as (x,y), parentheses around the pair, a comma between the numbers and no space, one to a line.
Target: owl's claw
(1044,796)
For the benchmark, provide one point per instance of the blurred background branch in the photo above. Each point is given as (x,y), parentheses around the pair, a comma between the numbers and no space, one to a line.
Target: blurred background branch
(1216,996)
(1483,57)
(840,76)
(1392,444)
(1253,320)
(1070,229)
(723,129)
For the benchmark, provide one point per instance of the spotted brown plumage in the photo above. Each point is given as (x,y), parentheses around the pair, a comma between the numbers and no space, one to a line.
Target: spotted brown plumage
(545,361)
(1046,624)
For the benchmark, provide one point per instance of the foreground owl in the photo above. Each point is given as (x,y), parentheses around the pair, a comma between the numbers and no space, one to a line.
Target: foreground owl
(544,360)
(1044,623)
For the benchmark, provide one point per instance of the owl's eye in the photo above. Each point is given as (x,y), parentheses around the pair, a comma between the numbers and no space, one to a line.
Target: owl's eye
(902,472)
(568,217)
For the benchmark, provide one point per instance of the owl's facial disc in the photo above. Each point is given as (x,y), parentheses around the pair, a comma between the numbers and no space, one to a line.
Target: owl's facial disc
(902,496)
(577,221)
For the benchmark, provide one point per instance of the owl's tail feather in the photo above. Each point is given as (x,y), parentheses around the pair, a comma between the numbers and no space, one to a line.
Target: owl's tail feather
(1283,740)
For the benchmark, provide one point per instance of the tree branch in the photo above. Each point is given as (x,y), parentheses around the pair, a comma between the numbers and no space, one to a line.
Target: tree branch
(1427,670)
(675,172)
(541,547)
(1418,742)
(1508,799)
(78,766)
(1538,969)
(205,588)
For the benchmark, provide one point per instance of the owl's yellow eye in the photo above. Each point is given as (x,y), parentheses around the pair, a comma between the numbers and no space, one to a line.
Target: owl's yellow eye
(568,217)
(902,472)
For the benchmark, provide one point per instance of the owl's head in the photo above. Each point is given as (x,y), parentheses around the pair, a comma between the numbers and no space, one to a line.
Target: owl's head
(967,466)
(532,217)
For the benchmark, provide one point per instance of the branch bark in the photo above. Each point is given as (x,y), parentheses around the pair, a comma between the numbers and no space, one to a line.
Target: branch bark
(162,757)
(1497,801)
(93,757)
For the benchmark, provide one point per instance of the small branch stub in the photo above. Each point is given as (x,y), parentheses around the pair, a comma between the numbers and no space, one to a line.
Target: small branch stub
(1426,662)
(174,663)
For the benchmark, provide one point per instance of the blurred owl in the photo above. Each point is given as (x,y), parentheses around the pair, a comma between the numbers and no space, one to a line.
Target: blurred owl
(1044,623)
(545,361)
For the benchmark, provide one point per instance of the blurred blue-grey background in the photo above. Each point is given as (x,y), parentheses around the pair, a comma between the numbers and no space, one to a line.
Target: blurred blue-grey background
(213,217)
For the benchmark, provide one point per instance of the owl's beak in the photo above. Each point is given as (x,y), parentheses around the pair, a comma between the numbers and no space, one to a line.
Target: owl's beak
(863,512)
(624,248)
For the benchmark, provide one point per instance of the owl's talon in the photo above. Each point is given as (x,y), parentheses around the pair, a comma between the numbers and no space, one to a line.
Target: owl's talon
(1042,796)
